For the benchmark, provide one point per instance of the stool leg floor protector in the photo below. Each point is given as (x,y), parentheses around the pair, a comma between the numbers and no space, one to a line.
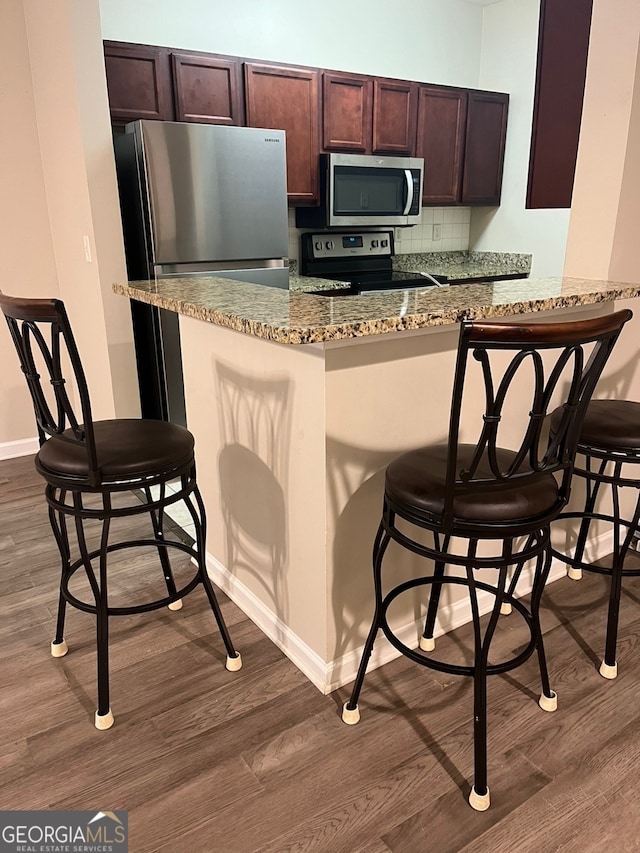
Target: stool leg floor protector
(505,608)
(59,650)
(350,716)
(574,574)
(175,605)
(549,703)
(608,671)
(427,644)
(104,721)
(479,802)
(234,664)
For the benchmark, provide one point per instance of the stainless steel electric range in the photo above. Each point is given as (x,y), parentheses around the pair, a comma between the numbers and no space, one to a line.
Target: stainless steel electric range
(364,259)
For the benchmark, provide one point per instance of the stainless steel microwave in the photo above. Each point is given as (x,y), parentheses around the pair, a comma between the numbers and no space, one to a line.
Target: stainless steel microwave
(358,190)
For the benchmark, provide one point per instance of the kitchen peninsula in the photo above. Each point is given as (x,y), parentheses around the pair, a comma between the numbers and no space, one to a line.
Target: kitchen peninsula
(297,403)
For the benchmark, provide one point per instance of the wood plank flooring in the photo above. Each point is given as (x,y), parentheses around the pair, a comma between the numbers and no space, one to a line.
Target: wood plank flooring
(207,761)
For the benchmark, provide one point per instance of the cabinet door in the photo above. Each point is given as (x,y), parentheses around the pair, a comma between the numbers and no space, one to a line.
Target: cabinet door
(395,107)
(283,98)
(138,82)
(484,148)
(563,45)
(347,115)
(442,116)
(207,89)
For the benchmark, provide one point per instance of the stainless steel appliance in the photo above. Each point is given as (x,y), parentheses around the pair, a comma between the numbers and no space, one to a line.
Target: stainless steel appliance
(362,259)
(196,200)
(362,191)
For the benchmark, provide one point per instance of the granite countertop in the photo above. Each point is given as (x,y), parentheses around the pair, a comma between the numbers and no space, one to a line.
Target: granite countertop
(307,283)
(458,266)
(295,317)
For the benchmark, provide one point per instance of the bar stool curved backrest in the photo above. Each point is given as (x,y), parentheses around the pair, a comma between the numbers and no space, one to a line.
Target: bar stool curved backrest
(503,494)
(26,319)
(99,471)
(577,370)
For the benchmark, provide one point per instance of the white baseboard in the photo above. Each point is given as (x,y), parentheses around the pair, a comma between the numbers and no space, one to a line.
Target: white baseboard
(22,447)
(302,655)
(327,676)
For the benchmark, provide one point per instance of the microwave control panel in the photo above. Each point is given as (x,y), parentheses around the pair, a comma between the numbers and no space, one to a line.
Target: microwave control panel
(345,245)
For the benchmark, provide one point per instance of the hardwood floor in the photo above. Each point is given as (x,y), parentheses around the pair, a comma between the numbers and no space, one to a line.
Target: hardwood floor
(207,761)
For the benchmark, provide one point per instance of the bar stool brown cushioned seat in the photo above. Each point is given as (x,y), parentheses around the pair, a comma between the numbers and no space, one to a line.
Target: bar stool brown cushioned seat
(608,450)
(100,471)
(486,506)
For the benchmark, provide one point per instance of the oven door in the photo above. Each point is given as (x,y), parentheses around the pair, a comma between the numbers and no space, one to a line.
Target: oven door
(371,191)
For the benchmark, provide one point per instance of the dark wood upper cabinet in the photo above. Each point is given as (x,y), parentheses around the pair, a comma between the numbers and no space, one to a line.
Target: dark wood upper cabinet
(460,133)
(484,147)
(286,98)
(563,44)
(207,89)
(440,137)
(347,112)
(138,82)
(395,108)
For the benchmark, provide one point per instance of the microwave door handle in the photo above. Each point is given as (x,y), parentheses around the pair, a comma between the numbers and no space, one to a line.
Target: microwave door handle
(409,180)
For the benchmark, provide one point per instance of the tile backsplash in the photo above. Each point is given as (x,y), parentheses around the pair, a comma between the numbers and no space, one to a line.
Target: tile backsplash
(449,226)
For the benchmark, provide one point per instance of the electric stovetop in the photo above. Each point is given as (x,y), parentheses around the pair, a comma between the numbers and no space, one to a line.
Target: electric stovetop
(364,259)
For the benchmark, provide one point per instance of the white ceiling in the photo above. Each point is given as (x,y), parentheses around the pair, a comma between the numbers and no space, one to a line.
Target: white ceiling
(482,2)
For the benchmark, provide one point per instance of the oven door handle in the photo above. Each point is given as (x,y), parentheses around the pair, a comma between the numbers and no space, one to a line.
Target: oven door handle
(409,179)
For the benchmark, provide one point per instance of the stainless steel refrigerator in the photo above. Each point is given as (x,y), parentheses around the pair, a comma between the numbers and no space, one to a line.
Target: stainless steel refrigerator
(196,199)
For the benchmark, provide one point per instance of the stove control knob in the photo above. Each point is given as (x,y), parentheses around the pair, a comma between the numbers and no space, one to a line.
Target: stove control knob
(384,243)
(374,244)
(318,245)
(329,244)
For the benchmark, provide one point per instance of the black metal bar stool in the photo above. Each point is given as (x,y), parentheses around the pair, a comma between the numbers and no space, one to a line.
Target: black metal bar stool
(101,471)
(487,506)
(610,447)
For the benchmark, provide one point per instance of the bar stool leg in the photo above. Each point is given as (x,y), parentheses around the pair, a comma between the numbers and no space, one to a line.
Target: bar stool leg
(58,524)
(427,643)
(103,716)
(234,659)
(548,700)
(350,710)
(157,521)
(506,607)
(609,666)
(593,487)
(479,797)
(59,647)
